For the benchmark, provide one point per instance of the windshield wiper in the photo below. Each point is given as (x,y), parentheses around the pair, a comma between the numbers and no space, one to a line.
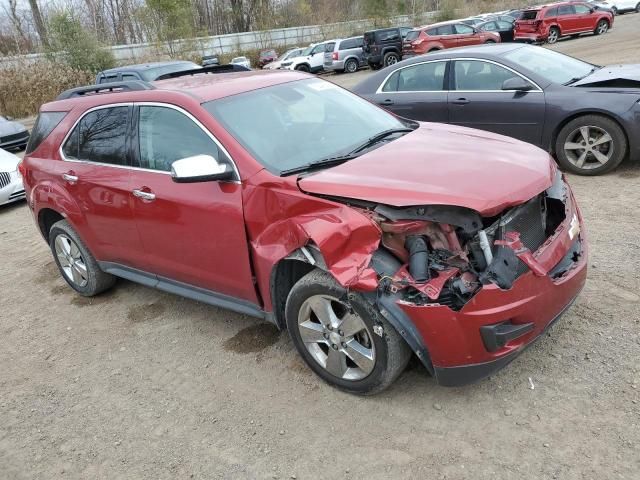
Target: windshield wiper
(337,160)
(577,79)
(379,137)
(325,162)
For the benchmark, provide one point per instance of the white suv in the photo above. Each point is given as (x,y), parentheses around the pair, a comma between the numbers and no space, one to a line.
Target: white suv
(311,60)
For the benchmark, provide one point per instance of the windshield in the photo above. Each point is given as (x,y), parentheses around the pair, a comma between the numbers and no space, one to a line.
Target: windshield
(553,66)
(290,53)
(291,125)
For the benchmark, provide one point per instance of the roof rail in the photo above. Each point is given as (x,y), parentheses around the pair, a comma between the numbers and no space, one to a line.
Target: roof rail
(227,68)
(129,86)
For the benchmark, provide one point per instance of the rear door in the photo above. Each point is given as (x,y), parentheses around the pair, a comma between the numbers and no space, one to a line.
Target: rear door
(96,172)
(448,36)
(417,92)
(477,100)
(192,233)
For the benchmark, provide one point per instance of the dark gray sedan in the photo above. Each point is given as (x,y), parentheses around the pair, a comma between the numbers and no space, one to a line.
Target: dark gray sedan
(13,135)
(588,116)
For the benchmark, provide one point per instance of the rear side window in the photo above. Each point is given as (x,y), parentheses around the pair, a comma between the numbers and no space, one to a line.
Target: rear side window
(445,30)
(489,27)
(475,75)
(44,125)
(552,12)
(529,14)
(100,137)
(328,47)
(565,10)
(351,43)
(167,135)
(387,35)
(424,77)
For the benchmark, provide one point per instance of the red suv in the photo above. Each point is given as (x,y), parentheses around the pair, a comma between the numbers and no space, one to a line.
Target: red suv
(444,35)
(550,22)
(370,237)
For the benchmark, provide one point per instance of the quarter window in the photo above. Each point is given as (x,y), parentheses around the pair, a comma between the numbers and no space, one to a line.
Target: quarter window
(424,77)
(45,124)
(463,29)
(167,135)
(100,137)
(445,30)
(474,75)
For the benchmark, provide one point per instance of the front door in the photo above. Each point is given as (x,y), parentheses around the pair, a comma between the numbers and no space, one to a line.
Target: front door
(465,35)
(417,92)
(96,172)
(192,232)
(477,100)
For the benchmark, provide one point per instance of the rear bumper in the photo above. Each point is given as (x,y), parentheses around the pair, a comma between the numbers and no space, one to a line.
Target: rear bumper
(529,37)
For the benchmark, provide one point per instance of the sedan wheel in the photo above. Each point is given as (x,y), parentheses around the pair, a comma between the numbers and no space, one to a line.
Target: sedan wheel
(591,145)
(336,337)
(72,264)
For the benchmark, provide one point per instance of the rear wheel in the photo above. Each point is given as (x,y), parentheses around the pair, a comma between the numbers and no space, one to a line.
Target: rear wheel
(554,35)
(490,41)
(351,66)
(602,27)
(342,337)
(591,145)
(76,263)
(390,58)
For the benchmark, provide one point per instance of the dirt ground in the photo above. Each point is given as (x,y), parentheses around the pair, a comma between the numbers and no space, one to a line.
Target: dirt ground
(141,384)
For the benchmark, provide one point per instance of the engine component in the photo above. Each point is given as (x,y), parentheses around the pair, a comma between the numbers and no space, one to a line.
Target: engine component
(418,250)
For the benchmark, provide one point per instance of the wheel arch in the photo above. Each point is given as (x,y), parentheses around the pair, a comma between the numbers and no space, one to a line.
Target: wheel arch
(584,113)
(46,218)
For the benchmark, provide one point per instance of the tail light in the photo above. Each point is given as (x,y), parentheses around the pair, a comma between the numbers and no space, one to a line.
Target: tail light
(334,56)
(537,24)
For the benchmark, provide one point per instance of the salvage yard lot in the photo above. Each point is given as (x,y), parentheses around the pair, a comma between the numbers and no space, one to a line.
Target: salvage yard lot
(137,383)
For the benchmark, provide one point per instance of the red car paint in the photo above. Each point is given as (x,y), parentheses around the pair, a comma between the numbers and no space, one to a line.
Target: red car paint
(435,37)
(536,29)
(229,237)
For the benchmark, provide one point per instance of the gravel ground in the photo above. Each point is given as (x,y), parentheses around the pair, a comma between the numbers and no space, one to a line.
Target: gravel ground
(141,384)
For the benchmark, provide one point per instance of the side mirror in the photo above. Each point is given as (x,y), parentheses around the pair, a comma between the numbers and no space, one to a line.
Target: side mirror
(200,168)
(518,84)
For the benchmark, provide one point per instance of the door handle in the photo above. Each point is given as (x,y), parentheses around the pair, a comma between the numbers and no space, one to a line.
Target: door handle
(387,102)
(460,101)
(70,178)
(144,195)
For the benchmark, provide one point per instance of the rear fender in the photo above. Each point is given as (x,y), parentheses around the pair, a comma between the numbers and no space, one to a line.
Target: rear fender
(49,195)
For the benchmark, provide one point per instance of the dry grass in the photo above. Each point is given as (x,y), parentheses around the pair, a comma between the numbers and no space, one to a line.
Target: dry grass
(25,86)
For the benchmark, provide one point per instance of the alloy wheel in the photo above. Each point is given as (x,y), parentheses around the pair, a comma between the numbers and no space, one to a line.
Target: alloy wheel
(553,36)
(71,261)
(392,60)
(351,66)
(336,337)
(603,27)
(589,147)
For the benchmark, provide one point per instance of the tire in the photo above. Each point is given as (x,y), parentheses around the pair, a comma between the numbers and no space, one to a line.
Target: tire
(572,135)
(488,42)
(303,68)
(601,28)
(386,354)
(94,280)
(390,58)
(554,35)
(351,66)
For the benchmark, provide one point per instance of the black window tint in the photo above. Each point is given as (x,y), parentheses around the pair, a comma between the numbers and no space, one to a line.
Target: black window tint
(387,35)
(477,76)
(489,27)
(425,77)
(432,32)
(565,10)
(552,12)
(167,135)
(44,125)
(349,43)
(411,36)
(461,28)
(529,15)
(582,9)
(100,137)
(328,47)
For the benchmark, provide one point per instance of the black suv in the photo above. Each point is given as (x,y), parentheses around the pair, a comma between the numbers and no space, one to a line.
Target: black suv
(147,72)
(384,47)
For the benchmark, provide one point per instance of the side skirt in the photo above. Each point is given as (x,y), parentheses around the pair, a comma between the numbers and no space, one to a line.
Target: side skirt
(185,290)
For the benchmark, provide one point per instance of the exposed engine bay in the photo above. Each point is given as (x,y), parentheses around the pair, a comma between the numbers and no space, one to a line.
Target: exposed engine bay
(443,255)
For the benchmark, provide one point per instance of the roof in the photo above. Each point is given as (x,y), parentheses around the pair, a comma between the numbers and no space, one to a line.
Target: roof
(146,66)
(201,87)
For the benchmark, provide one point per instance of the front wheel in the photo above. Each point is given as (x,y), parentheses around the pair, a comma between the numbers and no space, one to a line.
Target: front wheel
(76,263)
(303,68)
(554,35)
(342,337)
(391,58)
(591,145)
(602,27)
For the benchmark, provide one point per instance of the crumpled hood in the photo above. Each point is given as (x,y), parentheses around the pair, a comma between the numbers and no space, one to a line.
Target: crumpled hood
(440,164)
(630,73)
(8,161)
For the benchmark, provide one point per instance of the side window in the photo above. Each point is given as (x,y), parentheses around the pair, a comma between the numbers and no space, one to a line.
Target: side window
(502,25)
(317,49)
(565,10)
(424,77)
(100,137)
(167,135)
(129,76)
(445,30)
(463,29)
(109,79)
(474,75)
(581,9)
(45,124)
(432,32)
(490,27)
(552,12)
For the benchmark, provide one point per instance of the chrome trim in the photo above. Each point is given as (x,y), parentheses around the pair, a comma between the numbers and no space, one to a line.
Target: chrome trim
(129,167)
(384,82)
(144,195)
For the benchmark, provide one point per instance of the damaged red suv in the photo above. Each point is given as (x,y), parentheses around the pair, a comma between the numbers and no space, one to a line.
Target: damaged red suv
(370,238)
